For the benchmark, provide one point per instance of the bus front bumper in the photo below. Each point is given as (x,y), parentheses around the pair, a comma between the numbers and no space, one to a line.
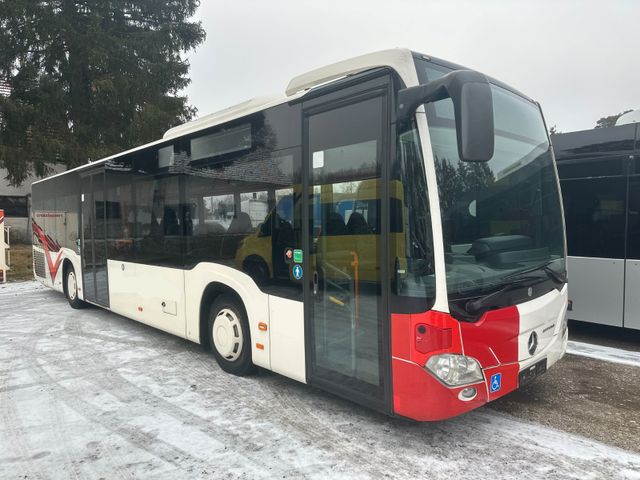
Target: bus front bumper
(419,395)
(425,398)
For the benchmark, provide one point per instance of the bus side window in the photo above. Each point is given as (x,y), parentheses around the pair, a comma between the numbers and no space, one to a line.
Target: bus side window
(411,243)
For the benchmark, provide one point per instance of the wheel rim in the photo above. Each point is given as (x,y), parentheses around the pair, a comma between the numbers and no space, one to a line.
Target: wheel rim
(71,285)
(227,334)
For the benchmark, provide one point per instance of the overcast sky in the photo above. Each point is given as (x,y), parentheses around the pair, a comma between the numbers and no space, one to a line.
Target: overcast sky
(578,58)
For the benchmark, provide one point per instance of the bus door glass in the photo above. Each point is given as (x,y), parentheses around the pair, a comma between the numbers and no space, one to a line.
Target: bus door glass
(94,247)
(345,313)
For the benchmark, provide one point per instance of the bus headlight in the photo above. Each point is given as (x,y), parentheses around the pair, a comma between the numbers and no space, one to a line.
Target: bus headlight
(455,370)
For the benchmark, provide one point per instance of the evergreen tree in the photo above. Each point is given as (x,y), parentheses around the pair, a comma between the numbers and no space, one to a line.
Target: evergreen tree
(89,78)
(554,130)
(609,121)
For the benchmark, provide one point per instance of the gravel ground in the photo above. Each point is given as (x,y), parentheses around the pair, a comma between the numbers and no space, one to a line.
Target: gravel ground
(89,394)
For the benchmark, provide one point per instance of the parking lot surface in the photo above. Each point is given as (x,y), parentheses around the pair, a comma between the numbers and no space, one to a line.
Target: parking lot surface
(90,394)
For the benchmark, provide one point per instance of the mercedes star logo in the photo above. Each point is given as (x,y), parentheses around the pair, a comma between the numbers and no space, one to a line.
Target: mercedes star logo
(532,344)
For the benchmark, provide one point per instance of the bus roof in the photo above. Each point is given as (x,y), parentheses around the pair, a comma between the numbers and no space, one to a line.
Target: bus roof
(398,59)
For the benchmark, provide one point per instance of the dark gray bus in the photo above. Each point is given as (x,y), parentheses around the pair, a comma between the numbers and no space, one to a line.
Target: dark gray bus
(599,172)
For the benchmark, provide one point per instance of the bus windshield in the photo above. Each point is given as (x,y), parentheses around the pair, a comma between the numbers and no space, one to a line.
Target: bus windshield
(502,219)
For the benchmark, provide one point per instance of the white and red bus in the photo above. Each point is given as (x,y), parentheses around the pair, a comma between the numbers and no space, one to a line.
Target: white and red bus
(389,230)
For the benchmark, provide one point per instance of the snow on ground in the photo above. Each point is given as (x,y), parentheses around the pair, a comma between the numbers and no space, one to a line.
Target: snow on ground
(16,288)
(608,354)
(89,394)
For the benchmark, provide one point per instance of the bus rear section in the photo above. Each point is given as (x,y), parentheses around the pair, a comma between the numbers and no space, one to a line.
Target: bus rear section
(389,231)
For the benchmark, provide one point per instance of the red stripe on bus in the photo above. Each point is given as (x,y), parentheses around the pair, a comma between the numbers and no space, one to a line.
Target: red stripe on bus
(47,244)
(496,331)
(419,395)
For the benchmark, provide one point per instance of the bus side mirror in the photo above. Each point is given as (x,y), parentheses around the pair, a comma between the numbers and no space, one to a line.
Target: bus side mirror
(473,109)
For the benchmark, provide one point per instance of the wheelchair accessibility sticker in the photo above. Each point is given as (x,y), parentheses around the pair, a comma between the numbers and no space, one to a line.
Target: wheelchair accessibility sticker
(496,382)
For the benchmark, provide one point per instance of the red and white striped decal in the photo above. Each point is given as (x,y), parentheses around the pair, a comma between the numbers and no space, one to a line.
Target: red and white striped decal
(50,246)
(498,341)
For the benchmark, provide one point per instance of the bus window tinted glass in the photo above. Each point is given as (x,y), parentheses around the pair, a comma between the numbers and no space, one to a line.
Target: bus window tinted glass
(55,211)
(246,213)
(159,219)
(14,206)
(592,167)
(120,211)
(225,141)
(411,253)
(502,216)
(633,219)
(595,217)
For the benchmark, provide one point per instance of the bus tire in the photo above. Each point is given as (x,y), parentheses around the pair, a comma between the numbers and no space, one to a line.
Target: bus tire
(229,335)
(71,288)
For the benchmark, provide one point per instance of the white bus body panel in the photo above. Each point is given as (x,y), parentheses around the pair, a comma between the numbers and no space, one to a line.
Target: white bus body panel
(287,337)
(400,59)
(138,292)
(255,302)
(632,294)
(441,303)
(58,258)
(596,287)
(169,299)
(545,316)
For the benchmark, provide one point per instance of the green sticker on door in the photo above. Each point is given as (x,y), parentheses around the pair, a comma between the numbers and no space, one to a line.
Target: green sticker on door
(297,256)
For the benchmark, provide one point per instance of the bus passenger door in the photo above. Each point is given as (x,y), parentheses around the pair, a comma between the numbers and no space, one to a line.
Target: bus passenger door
(94,248)
(345,291)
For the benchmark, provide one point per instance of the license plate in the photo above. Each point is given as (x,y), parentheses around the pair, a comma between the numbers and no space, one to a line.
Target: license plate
(532,372)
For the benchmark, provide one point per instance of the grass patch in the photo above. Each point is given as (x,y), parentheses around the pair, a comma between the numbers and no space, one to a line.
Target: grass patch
(21,263)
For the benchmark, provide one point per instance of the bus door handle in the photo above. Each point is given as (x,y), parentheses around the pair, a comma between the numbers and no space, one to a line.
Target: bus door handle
(315,282)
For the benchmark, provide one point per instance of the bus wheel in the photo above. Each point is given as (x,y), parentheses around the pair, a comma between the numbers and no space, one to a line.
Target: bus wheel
(71,288)
(229,335)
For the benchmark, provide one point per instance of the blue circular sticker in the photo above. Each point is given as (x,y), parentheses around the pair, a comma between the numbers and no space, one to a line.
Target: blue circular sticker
(297,272)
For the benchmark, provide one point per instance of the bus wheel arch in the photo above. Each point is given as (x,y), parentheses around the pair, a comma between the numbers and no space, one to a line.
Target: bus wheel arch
(223,299)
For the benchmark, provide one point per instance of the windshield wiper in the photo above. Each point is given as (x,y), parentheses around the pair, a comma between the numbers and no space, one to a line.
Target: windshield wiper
(559,278)
(551,273)
(489,300)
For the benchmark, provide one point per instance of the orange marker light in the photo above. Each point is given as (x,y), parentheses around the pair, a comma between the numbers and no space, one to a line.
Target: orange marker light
(262,326)
(259,346)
